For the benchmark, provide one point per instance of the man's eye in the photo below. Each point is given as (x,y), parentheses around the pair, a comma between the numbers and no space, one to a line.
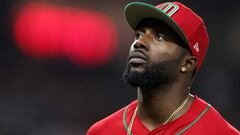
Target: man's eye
(159,37)
(137,36)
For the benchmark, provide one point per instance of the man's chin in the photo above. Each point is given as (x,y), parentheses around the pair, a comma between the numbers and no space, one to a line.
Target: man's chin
(132,77)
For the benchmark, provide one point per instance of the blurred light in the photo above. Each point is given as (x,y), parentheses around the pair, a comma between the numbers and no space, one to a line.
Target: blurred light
(85,37)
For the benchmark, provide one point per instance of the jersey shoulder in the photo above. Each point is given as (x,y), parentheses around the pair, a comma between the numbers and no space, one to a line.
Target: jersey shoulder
(106,123)
(109,125)
(214,123)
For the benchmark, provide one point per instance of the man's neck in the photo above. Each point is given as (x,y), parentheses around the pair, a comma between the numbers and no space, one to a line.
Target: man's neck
(156,105)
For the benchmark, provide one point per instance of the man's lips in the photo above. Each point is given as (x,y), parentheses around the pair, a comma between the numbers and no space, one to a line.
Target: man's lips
(137,58)
(137,61)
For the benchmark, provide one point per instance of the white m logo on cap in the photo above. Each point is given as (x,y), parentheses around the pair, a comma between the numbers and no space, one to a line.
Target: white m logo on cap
(169,8)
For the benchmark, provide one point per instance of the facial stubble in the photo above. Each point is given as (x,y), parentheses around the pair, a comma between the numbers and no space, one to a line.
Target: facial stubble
(152,76)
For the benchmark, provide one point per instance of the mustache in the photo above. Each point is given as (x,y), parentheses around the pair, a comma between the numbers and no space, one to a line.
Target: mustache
(137,53)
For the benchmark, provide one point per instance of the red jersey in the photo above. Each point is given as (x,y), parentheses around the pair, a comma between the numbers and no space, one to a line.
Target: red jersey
(200,119)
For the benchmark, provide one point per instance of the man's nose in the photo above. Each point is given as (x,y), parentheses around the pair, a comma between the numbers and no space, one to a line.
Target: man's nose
(139,44)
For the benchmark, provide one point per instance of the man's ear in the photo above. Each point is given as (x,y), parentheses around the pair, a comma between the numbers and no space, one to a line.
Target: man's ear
(189,64)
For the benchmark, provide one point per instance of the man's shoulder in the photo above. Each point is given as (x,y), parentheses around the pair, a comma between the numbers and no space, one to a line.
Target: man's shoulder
(215,120)
(212,121)
(107,122)
(112,123)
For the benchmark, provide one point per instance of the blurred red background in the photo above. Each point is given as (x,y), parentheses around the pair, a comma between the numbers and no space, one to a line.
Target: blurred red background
(87,38)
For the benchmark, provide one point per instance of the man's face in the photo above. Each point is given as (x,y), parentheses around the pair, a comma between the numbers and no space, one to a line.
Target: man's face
(154,57)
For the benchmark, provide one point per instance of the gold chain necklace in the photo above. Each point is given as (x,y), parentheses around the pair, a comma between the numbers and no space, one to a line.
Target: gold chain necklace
(169,118)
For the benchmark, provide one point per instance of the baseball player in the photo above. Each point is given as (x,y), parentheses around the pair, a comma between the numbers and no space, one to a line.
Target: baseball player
(170,45)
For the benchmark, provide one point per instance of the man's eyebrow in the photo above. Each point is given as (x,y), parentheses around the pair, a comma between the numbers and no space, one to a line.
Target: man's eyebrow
(140,29)
(160,31)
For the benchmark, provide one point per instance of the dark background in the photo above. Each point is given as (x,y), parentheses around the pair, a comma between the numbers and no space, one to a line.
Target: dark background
(57,97)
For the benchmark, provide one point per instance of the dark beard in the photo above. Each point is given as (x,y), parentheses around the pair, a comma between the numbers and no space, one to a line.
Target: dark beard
(153,76)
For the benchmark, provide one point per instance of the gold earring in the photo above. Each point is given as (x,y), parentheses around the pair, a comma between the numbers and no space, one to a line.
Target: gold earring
(183,69)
